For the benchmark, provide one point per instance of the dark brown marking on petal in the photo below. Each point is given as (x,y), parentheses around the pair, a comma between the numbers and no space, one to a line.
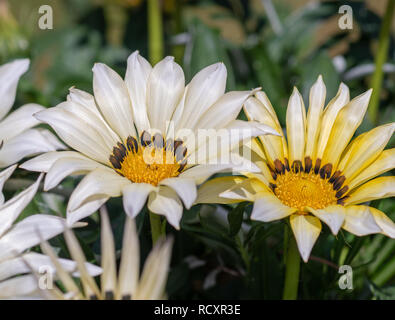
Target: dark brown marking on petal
(341,192)
(335,176)
(286,164)
(158,141)
(109,295)
(122,149)
(180,152)
(278,165)
(115,163)
(145,139)
(308,163)
(338,182)
(341,201)
(317,166)
(132,144)
(118,153)
(273,186)
(126,297)
(93,297)
(182,165)
(177,143)
(274,174)
(297,166)
(326,171)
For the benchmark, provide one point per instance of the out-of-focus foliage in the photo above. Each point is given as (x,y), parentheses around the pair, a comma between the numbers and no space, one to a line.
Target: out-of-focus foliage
(219,253)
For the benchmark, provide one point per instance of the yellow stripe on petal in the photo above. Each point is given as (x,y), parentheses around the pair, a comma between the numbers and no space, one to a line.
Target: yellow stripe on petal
(306,229)
(359,221)
(384,222)
(272,145)
(347,121)
(296,127)
(379,188)
(329,116)
(210,190)
(267,207)
(384,163)
(365,150)
(333,216)
(314,115)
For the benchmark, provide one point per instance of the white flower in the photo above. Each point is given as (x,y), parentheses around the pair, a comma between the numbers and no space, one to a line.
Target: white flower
(16,238)
(126,284)
(151,113)
(17,138)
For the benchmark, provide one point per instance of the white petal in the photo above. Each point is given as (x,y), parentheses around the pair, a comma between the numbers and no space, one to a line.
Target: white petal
(306,229)
(135,196)
(76,132)
(136,80)
(113,99)
(384,222)
(30,232)
(19,121)
(165,89)
(360,221)
(10,210)
(68,166)
(28,143)
(185,188)
(18,286)
(166,203)
(86,209)
(100,182)
(205,88)
(267,207)
(9,77)
(4,175)
(333,216)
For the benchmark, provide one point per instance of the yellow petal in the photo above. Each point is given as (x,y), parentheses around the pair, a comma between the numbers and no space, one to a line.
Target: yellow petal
(314,115)
(210,190)
(347,121)
(379,188)
(246,190)
(384,163)
(366,148)
(267,207)
(385,223)
(329,116)
(296,127)
(360,221)
(333,216)
(306,229)
(272,145)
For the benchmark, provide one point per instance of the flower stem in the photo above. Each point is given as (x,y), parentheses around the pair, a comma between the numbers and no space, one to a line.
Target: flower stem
(156,227)
(292,265)
(380,59)
(155,31)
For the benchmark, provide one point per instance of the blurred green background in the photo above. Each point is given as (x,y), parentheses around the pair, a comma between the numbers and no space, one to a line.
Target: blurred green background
(272,44)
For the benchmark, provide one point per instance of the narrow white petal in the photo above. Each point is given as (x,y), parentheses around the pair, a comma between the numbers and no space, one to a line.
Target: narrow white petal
(113,100)
(267,207)
(306,229)
(360,221)
(136,79)
(135,196)
(185,188)
(4,175)
(9,77)
(166,203)
(384,222)
(18,287)
(333,216)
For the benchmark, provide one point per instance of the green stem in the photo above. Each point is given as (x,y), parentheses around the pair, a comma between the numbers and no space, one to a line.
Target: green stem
(380,59)
(156,227)
(292,270)
(155,31)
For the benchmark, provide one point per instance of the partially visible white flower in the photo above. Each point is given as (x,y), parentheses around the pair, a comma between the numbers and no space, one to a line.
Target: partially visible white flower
(127,284)
(17,138)
(17,238)
(151,112)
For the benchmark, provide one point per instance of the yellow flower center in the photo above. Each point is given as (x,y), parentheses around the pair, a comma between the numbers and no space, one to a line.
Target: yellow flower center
(304,186)
(150,160)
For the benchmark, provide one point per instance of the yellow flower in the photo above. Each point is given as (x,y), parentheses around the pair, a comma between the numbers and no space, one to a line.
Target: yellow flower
(317,173)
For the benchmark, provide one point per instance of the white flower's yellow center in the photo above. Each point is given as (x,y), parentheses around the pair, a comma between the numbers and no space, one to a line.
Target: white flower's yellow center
(150,160)
(301,186)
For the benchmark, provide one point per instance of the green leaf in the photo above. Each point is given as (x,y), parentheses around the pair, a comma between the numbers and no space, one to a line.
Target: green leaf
(235,219)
